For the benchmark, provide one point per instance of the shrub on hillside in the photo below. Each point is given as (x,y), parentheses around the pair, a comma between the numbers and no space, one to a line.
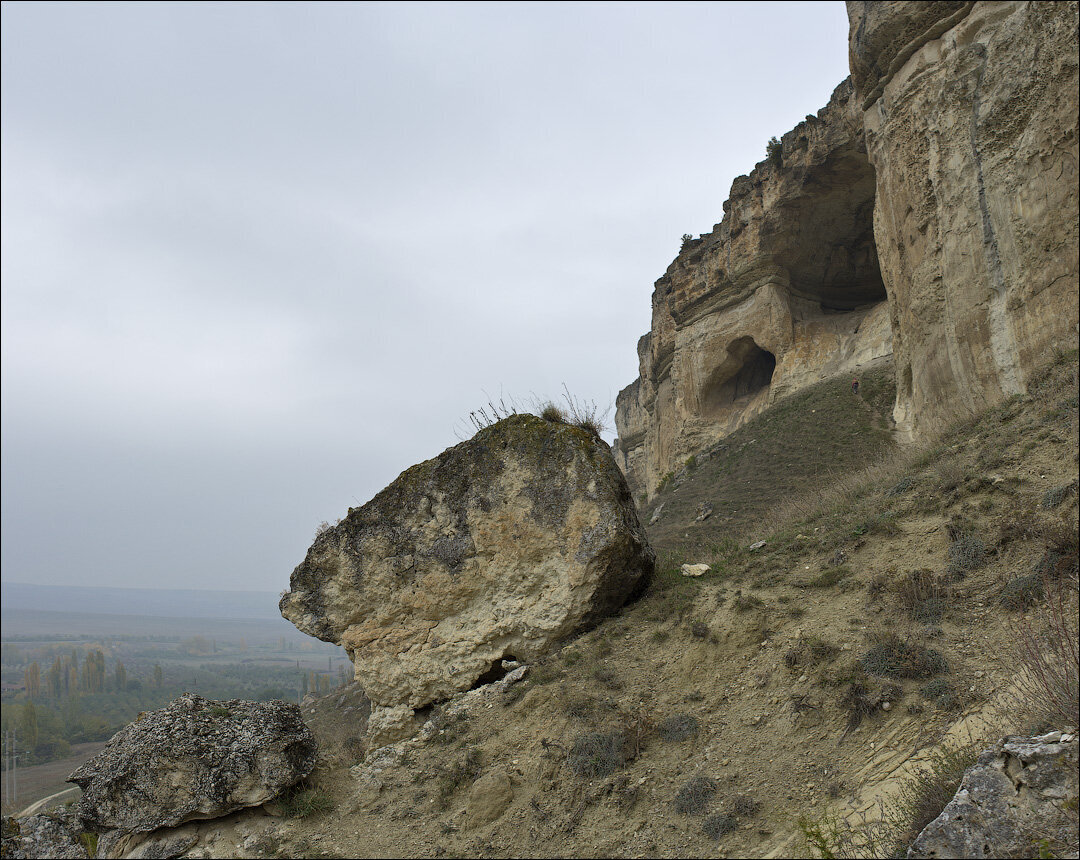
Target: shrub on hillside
(596,754)
(695,795)
(680,727)
(897,657)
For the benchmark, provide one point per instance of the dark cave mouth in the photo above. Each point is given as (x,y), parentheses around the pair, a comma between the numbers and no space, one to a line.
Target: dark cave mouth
(747,371)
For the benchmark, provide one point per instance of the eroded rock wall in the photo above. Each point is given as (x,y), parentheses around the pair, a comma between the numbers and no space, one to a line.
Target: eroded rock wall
(783,292)
(971,126)
(941,177)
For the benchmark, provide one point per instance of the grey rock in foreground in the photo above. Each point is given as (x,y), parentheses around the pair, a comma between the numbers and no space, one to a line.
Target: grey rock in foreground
(194,759)
(47,835)
(1010,800)
(499,547)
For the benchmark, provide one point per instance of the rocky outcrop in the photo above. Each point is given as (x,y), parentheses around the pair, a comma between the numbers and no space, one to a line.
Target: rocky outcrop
(194,759)
(1011,803)
(54,835)
(783,292)
(971,126)
(942,176)
(496,549)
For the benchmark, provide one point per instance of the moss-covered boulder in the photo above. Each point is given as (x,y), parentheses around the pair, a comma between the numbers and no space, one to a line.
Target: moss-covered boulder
(498,548)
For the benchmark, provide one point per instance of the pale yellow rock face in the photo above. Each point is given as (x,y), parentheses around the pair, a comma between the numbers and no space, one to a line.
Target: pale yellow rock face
(973,138)
(784,292)
(498,548)
(941,177)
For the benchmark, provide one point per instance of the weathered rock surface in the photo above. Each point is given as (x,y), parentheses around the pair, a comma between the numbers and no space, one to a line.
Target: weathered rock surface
(783,292)
(971,126)
(194,759)
(1012,798)
(47,835)
(497,548)
(942,176)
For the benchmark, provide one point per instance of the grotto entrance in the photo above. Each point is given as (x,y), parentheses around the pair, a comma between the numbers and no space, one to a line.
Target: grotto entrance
(827,243)
(747,370)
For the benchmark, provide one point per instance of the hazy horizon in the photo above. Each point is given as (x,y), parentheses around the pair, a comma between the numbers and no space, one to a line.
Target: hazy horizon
(260,259)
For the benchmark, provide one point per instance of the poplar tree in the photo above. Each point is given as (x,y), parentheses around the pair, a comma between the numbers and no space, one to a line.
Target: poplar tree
(32,680)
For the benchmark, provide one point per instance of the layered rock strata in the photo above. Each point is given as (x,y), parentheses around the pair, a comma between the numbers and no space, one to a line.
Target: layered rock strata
(496,549)
(970,118)
(941,178)
(783,292)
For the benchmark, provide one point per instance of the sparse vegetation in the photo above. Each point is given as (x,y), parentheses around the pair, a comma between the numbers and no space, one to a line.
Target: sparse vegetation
(894,656)
(695,795)
(1049,655)
(719,824)
(305,799)
(595,754)
(460,771)
(923,595)
(774,151)
(927,791)
(680,727)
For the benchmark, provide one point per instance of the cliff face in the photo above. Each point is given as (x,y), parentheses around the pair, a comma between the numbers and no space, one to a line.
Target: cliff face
(971,126)
(783,292)
(930,209)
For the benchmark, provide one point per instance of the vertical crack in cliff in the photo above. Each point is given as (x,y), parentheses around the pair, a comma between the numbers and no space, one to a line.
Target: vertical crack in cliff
(1002,340)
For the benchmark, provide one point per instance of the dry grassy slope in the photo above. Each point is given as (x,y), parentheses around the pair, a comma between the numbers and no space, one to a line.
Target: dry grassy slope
(799,445)
(761,655)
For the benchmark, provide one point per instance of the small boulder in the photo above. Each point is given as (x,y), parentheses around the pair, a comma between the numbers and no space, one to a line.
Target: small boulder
(695,569)
(498,548)
(52,835)
(194,759)
(1008,800)
(489,798)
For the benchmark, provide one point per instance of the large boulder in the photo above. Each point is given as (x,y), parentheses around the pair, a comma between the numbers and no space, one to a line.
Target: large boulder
(497,548)
(194,759)
(1011,803)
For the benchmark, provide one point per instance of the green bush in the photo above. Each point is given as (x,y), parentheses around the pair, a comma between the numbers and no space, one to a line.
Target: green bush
(303,800)
(966,553)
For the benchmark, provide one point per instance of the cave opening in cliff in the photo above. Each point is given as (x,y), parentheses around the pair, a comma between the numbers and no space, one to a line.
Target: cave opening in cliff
(747,370)
(833,261)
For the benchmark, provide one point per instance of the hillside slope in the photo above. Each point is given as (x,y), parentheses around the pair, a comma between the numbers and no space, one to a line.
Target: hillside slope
(876,626)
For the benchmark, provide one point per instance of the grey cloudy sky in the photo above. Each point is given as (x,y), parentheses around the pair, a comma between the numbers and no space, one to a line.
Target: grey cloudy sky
(260,258)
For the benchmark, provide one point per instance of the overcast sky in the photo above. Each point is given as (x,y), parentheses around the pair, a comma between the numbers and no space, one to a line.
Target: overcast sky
(258,259)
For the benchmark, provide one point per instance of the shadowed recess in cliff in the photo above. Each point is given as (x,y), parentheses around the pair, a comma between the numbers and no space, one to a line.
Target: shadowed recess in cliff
(747,370)
(828,245)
